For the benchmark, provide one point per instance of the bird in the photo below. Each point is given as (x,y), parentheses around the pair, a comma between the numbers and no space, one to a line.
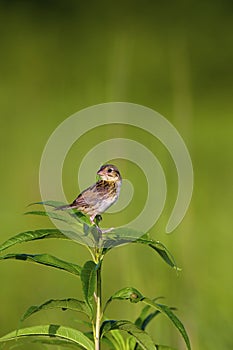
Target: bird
(97,198)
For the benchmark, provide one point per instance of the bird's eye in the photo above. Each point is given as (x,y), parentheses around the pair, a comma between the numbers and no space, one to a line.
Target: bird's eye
(109,170)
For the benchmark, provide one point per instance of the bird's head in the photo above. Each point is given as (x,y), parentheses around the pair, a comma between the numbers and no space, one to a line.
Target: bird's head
(109,172)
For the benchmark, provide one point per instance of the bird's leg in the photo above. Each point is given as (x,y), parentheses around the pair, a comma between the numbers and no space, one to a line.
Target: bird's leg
(92,218)
(96,230)
(95,220)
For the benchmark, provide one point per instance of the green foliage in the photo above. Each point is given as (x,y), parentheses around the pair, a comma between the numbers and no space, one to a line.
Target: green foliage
(46,259)
(125,235)
(145,317)
(135,296)
(140,336)
(102,329)
(167,311)
(128,293)
(88,278)
(63,304)
(51,331)
(31,236)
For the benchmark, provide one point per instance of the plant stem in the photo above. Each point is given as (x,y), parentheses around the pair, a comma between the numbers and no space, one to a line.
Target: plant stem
(98,305)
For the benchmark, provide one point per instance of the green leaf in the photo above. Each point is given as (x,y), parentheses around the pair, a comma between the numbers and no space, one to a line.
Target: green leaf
(160,249)
(59,343)
(55,331)
(70,216)
(131,343)
(41,343)
(128,293)
(123,235)
(64,304)
(164,347)
(142,322)
(72,211)
(126,233)
(116,339)
(46,259)
(142,316)
(145,317)
(142,338)
(125,293)
(88,278)
(55,215)
(28,236)
(168,312)
(165,254)
(119,236)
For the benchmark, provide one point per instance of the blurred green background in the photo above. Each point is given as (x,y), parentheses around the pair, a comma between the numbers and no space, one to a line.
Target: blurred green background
(58,57)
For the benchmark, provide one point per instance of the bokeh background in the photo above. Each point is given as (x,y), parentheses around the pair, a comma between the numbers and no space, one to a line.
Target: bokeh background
(58,57)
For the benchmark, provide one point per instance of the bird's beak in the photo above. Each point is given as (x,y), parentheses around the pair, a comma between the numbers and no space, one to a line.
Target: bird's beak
(98,175)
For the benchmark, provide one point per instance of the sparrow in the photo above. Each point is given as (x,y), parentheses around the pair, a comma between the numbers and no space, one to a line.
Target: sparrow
(97,198)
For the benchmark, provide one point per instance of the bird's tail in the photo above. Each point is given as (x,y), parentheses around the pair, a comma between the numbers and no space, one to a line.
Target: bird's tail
(64,207)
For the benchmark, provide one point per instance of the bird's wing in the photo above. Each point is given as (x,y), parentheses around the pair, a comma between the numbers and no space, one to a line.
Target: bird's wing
(88,197)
